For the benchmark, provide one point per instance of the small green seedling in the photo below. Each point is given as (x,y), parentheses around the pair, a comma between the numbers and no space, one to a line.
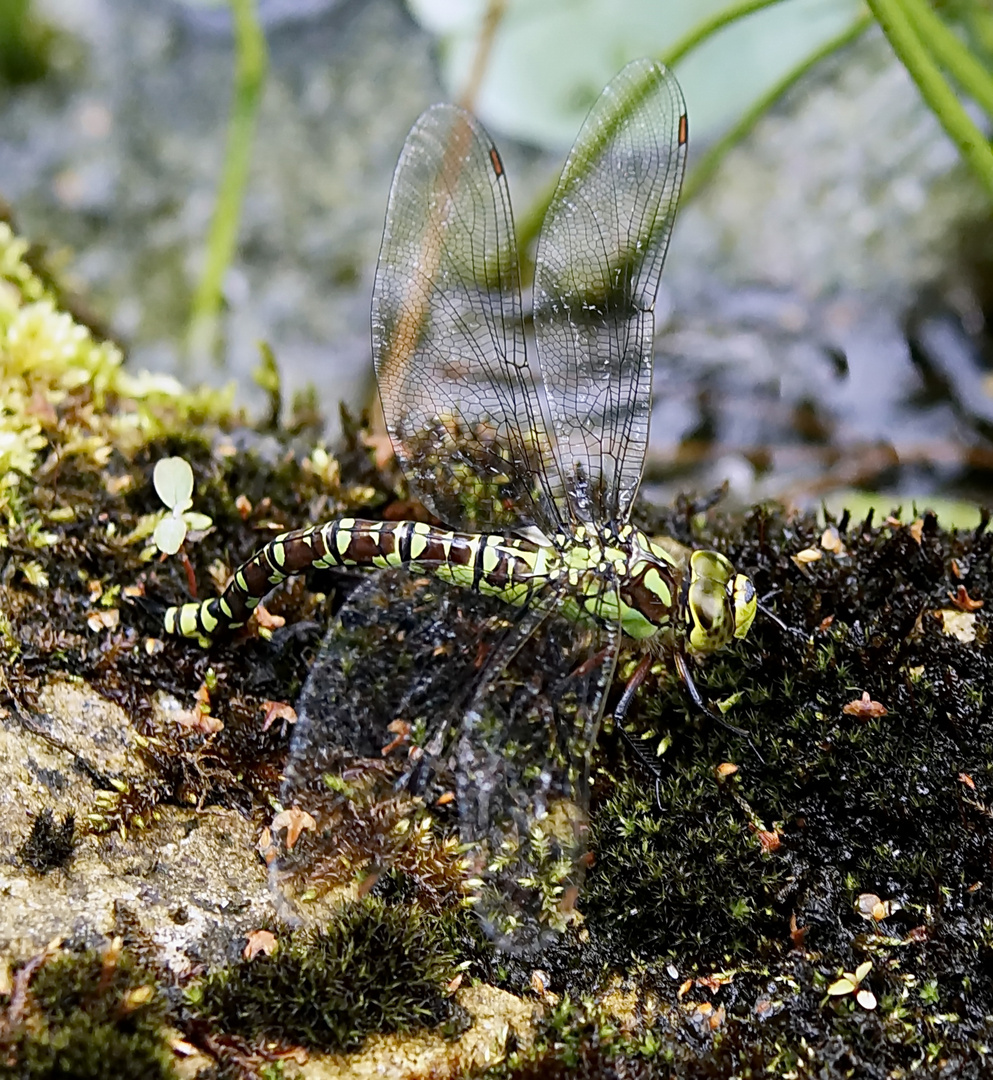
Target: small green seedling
(173,480)
(849,984)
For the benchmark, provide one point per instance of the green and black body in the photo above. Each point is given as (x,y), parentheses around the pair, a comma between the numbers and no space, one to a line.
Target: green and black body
(534,473)
(622,577)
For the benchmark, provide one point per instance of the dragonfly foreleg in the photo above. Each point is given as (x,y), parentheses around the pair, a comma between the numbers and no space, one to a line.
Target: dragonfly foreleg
(684,674)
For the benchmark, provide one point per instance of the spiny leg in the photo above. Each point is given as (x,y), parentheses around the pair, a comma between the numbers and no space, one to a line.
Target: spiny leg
(684,674)
(762,606)
(620,712)
(631,688)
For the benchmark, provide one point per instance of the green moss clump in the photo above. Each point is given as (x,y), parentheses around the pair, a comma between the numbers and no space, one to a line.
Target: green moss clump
(66,394)
(93,1015)
(373,969)
(82,1048)
(685,879)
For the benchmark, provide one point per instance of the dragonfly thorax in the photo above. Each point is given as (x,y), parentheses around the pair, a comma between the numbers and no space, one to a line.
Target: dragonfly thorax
(622,574)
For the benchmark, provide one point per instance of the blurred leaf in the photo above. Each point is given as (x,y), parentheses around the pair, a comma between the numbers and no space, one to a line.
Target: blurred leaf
(169,534)
(551,58)
(173,480)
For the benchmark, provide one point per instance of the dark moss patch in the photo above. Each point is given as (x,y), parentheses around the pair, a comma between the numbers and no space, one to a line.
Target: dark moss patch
(91,1015)
(779,1026)
(49,846)
(374,969)
(684,879)
(739,897)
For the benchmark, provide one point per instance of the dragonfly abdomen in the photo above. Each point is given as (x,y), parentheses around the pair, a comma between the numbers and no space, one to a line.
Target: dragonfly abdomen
(484,562)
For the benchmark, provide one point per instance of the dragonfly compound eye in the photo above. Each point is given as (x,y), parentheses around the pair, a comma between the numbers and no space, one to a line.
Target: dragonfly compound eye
(745,602)
(710,611)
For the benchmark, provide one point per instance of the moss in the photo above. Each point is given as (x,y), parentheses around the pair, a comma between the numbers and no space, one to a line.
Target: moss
(49,846)
(66,394)
(373,969)
(750,891)
(80,1049)
(687,875)
(79,437)
(779,1027)
(88,1015)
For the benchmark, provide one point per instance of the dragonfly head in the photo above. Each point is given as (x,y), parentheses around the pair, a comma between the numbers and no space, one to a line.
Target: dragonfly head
(720,603)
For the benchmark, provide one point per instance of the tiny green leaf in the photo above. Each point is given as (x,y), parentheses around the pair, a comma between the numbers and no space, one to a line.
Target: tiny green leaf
(199,522)
(173,480)
(169,534)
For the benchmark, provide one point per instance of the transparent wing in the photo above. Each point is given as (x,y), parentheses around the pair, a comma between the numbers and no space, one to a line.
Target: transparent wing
(523,761)
(360,788)
(488,715)
(599,260)
(447,336)
(369,768)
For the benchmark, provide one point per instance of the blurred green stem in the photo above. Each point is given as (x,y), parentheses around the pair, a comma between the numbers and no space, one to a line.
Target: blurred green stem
(954,56)
(24,43)
(708,164)
(895,18)
(251,62)
(703,30)
(530,222)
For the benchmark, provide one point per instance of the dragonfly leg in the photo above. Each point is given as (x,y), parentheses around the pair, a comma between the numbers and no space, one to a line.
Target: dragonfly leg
(648,764)
(768,613)
(639,676)
(684,674)
(591,663)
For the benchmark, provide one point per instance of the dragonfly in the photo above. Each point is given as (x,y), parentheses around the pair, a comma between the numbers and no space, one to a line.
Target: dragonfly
(471,674)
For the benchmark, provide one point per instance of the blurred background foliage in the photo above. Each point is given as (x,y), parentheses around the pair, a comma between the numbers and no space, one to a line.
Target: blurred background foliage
(216,174)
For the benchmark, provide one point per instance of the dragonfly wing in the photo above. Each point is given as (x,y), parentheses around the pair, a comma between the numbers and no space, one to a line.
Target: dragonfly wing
(597,271)
(522,762)
(447,336)
(394,672)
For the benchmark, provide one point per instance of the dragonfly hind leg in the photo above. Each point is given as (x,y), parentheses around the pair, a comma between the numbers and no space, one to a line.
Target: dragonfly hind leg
(631,688)
(620,712)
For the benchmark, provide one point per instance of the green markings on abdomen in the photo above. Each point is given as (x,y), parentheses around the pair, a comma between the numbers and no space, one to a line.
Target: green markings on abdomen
(485,563)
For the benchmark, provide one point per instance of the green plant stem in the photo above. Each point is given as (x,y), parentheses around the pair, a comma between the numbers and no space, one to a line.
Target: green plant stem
(251,63)
(708,164)
(25,43)
(717,22)
(955,57)
(893,17)
(529,223)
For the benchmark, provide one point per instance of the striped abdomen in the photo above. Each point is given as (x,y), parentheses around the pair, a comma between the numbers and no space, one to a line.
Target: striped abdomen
(484,562)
